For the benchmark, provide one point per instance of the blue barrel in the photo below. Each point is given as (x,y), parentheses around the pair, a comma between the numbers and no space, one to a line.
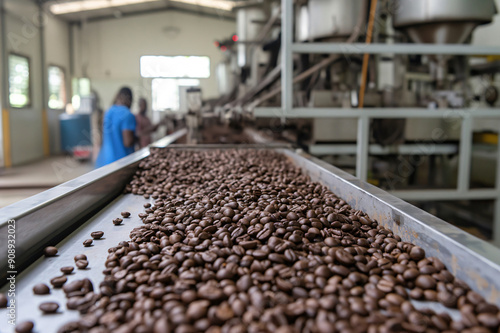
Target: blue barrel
(75,131)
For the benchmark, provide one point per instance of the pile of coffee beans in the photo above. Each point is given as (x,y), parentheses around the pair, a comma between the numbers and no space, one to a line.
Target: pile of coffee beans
(243,241)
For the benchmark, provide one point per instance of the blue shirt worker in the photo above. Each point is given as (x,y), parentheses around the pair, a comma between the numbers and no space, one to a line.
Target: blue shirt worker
(118,130)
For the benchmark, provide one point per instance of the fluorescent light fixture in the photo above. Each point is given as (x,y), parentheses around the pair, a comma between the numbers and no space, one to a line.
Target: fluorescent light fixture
(217,4)
(86,5)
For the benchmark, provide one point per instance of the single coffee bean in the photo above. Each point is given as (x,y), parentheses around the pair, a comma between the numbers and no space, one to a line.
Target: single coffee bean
(411,274)
(344,257)
(395,299)
(50,251)
(430,295)
(417,253)
(425,282)
(385,285)
(117,221)
(474,297)
(97,234)
(447,299)
(67,269)
(3,301)
(197,309)
(41,289)
(80,257)
(87,242)
(82,264)
(125,214)
(488,320)
(25,327)
(49,307)
(58,281)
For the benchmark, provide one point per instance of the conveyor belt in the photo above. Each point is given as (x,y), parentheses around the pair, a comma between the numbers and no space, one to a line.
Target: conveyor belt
(470,259)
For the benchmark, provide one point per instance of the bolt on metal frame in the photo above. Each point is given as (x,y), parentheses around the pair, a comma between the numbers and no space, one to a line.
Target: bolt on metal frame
(287,111)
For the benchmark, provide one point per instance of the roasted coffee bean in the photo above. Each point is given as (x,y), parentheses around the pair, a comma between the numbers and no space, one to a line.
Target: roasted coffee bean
(87,242)
(447,299)
(49,307)
(411,274)
(25,327)
(344,257)
(80,257)
(425,282)
(50,251)
(97,234)
(125,214)
(82,264)
(41,289)
(67,269)
(3,301)
(488,320)
(430,295)
(117,221)
(417,253)
(58,281)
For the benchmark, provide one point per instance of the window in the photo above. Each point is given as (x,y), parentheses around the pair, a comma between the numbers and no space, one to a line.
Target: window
(19,81)
(175,67)
(81,88)
(57,88)
(167,92)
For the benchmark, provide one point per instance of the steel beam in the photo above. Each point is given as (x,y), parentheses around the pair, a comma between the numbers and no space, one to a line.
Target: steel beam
(374,149)
(423,49)
(362,148)
(286,58)
(464,162)
(382,113)
(445,195)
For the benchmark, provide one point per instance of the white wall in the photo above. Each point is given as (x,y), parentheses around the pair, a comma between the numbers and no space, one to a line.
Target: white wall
(23,37)
(57,52)
(108,51)
(23,29)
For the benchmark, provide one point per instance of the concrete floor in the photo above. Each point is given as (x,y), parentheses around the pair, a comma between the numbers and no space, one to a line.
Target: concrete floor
(20,182)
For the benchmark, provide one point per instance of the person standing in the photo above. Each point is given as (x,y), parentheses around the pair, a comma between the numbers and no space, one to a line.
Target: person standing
(144,127)
(118,130)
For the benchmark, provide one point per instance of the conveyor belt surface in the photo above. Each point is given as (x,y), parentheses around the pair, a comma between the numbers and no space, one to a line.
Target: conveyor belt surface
(469,258)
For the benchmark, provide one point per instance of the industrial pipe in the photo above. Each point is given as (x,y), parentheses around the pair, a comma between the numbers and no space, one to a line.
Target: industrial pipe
(323,64)
(366,57)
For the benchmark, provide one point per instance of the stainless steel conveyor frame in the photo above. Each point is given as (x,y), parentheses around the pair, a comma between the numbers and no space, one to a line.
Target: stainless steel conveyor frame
(46,215)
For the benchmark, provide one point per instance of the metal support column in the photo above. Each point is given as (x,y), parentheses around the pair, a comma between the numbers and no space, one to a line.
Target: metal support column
(464,162)
(44,83)
(362,148)
(4,90)
(496,212)
(286,57)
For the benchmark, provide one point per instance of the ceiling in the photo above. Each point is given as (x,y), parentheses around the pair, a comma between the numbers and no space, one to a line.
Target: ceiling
(120,8)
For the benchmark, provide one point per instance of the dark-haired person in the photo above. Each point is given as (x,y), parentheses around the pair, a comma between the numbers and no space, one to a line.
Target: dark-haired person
(118,130)
(144,127)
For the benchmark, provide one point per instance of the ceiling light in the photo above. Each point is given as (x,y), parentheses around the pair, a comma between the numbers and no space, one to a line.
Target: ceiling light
(217,4)
(86,5)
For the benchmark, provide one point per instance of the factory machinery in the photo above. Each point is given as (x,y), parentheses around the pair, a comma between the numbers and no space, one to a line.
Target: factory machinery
(360,255)
(391,90)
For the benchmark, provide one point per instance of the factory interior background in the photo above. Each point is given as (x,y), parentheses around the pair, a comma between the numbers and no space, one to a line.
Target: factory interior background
(392,103)
(63,63)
